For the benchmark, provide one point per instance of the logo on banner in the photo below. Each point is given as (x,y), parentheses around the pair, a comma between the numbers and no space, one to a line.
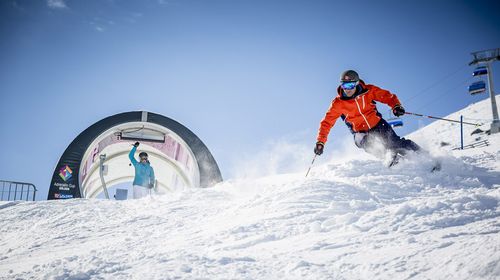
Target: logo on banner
(65,173)
(62,196)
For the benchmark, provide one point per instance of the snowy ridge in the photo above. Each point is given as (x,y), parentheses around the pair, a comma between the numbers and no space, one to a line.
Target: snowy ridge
(355,219)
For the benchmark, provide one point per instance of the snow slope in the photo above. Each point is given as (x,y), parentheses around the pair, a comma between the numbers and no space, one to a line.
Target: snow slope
(448,132)
(348,220)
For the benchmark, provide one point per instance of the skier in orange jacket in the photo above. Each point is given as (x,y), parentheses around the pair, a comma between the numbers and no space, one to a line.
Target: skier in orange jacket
(355,104)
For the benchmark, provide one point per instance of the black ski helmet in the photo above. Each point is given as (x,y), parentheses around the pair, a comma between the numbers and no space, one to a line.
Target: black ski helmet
(349,76)
(143,154)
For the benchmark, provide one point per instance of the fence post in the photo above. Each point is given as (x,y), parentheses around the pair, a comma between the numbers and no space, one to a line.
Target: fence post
(461,132)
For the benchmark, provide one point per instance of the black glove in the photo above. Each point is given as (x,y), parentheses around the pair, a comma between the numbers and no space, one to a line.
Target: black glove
(136,144)
(398,110)
(319,148)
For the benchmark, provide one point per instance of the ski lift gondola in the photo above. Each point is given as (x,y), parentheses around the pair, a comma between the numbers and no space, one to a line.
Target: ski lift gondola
(477,87)
(395,122)
(479,71)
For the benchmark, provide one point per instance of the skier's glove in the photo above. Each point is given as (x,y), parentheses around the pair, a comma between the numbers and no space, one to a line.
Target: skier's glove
(398,110)
(136,144)
(319,148)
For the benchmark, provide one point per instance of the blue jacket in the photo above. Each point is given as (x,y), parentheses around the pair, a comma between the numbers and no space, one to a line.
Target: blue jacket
(144,173)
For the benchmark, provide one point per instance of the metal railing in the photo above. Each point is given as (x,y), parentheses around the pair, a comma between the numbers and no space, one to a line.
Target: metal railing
(10,191)
(477,144)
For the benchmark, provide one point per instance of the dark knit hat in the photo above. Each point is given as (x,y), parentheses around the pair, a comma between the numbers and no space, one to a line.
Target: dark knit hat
(349,76)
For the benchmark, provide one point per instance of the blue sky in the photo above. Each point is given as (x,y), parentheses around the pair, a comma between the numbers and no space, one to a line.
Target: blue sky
(243,75)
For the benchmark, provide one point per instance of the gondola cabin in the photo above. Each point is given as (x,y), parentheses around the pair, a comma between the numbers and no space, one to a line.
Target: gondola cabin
(477,87)
(395,122)
(479,71)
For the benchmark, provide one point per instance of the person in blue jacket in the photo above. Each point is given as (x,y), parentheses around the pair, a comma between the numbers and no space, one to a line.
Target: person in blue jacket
(144,174)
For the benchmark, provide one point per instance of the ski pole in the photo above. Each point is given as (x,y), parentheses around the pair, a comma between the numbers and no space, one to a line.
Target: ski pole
(314,158)
(437,118)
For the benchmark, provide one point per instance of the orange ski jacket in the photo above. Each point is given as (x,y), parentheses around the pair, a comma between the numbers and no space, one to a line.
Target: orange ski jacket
(358,112)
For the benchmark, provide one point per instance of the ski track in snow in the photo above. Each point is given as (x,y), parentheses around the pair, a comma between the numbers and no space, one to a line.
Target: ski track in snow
(351,220)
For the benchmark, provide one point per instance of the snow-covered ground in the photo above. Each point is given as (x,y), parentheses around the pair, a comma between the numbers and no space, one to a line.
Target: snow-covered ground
(479,149)
(355,219)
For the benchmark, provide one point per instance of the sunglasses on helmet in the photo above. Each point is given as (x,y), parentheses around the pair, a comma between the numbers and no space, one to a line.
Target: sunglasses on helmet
(349,84)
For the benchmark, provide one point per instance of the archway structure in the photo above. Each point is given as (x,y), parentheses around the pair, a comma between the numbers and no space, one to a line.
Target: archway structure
(178,156)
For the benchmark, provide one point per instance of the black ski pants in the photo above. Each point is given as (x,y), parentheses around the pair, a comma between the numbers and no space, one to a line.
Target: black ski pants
(383,132)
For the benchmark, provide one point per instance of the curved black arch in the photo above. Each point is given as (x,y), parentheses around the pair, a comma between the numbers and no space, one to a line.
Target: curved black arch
(73,155)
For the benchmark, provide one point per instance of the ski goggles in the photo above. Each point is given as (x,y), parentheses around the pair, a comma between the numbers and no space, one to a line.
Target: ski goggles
(349,85)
